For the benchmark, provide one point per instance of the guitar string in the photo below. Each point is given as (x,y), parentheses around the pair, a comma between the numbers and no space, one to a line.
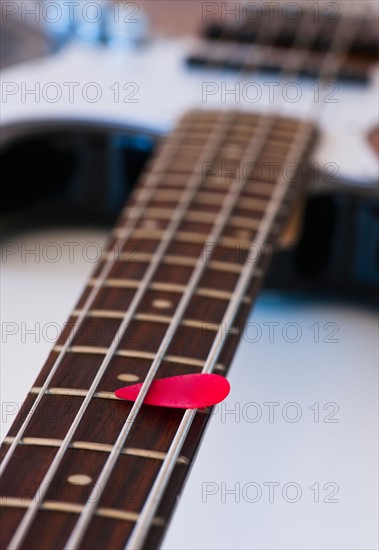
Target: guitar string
(149,510)
(87,513)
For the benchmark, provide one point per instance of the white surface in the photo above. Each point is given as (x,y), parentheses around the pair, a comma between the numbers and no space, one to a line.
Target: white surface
(234,449)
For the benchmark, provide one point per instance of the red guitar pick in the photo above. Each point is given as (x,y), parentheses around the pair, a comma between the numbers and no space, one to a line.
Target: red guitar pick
(188,391)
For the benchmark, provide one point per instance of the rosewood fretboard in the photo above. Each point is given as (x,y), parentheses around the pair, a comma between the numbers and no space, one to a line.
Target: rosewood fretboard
(184,264)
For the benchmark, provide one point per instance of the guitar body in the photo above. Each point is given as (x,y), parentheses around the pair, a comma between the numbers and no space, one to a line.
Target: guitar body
(149,89)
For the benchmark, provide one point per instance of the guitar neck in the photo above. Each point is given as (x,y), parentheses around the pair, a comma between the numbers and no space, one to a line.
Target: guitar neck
(82,469)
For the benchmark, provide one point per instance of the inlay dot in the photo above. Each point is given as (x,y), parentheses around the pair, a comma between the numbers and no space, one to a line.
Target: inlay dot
(162,304)
(79,479)
(126,377)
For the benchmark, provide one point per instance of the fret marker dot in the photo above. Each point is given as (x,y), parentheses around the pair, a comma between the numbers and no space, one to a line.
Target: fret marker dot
(79,479)
(162,304)
(126,377)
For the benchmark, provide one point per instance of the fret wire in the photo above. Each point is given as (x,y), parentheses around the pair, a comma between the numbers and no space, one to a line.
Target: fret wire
(140,207)
(194,181)
(202,217)
(189,361)
(68,507)
(263,129)
(185,236)
(139,533)
(69,392)
(151,318)
(96,447)
(177,261)
(167,287)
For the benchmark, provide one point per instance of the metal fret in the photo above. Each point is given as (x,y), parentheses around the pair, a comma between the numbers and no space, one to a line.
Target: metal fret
(34,441)
(184,236)
(259,188)
(82,349)
(220,294)
(168,287)
(116,283)
(100,314)
(13,502)
(123,515)
(151,318)
(178,261)
(96,447)
(135,354)
(74,392)
(202,217)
